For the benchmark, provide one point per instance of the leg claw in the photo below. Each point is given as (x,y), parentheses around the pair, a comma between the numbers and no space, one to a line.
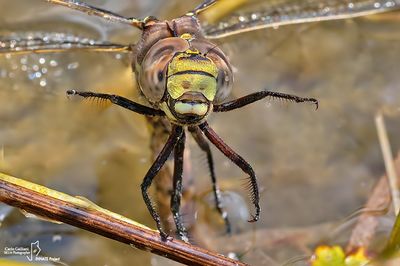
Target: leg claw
(254,218)
(165,237)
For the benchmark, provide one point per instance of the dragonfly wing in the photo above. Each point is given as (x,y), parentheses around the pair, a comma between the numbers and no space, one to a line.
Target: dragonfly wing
(267,14)
(53,42)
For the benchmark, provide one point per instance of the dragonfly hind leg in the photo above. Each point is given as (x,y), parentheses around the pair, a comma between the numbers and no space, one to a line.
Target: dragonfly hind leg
(173,139)
(177,188)
(240,162)
(203,144)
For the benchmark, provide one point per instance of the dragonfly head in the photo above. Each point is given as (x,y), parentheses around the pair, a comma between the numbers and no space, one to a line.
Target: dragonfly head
(191,87)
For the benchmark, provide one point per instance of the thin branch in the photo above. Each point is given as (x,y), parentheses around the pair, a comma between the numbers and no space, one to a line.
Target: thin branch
(84,214)
(388,159)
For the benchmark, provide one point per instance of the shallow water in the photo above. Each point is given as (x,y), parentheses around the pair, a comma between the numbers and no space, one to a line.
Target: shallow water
(314,167)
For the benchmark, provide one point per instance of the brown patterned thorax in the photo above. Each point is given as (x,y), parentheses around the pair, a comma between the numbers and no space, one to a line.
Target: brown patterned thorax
(158,30)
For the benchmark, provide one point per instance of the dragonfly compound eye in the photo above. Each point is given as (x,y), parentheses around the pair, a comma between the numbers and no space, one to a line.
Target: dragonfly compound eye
(225,75)
(152,71)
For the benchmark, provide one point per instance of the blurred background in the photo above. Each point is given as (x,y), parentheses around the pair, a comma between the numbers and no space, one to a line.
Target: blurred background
(315,168)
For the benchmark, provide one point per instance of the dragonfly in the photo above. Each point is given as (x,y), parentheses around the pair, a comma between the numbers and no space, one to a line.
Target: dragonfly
(185,77)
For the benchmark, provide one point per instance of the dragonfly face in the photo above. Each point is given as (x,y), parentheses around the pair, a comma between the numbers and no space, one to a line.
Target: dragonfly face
(183,77)
(191,87)
(182,83)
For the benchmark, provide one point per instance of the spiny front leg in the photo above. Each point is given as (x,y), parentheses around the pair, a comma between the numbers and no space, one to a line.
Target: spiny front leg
(239,161)
(177,188)
(119,100)
(251,98)
(173,139)
(203,144)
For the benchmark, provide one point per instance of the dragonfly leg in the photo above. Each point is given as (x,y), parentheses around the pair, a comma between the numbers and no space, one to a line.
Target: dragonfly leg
(251,98)
(177,188)
(240,162)
(173,139)
(119,100)
(203,144)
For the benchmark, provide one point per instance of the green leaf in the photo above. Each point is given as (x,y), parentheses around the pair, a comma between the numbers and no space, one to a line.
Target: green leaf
(393,245)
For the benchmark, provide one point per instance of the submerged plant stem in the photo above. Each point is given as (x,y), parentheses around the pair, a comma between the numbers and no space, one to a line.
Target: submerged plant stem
(388,159)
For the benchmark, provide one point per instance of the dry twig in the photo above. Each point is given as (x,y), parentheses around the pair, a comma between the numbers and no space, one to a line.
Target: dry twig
(81,213)
(388,159)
